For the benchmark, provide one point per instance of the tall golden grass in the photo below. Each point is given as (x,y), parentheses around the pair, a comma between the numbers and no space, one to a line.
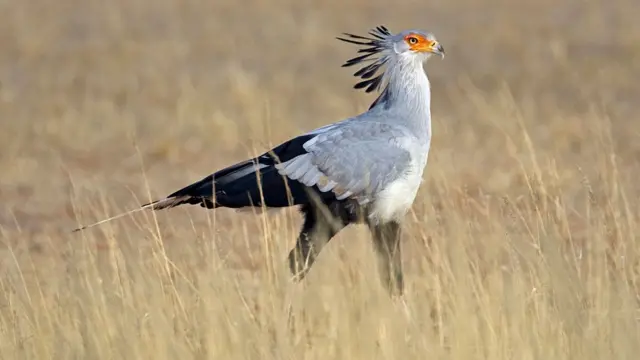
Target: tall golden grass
(522,243)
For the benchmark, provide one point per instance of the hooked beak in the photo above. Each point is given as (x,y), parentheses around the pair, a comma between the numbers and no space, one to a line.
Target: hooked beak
(437,49)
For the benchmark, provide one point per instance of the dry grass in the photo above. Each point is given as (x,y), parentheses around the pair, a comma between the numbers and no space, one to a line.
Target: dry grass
(522,243)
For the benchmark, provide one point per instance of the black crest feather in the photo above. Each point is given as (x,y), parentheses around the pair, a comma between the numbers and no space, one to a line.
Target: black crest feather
(373,46)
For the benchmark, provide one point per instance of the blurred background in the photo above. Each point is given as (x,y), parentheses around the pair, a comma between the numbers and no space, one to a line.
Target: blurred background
(196,85)
(105,104)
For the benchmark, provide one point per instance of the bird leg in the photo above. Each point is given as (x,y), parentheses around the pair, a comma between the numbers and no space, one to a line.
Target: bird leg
(386,241)
(320,225)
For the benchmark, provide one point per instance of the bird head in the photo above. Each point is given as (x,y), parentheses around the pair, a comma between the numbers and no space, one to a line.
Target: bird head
(382,47)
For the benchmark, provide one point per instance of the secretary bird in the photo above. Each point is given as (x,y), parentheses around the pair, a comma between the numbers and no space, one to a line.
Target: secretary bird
(363,169)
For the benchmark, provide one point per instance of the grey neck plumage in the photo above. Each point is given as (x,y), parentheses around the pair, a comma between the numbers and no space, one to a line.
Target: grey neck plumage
(406,96)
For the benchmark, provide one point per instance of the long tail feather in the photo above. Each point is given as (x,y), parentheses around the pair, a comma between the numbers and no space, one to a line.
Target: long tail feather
(113,218)
(156,205)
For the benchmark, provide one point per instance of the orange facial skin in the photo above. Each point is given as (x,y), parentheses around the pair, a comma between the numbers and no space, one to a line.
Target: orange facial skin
(419,43)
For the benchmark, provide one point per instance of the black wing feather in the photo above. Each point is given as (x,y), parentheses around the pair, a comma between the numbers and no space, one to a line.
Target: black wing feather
(253,182)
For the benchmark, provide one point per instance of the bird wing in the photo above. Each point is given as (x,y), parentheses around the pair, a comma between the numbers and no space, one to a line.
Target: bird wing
(352,159)
(356,160)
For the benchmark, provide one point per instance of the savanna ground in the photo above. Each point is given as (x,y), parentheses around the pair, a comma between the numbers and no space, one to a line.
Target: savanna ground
(522,243)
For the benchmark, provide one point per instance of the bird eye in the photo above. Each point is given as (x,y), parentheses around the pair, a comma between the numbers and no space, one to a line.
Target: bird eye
(412,40)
